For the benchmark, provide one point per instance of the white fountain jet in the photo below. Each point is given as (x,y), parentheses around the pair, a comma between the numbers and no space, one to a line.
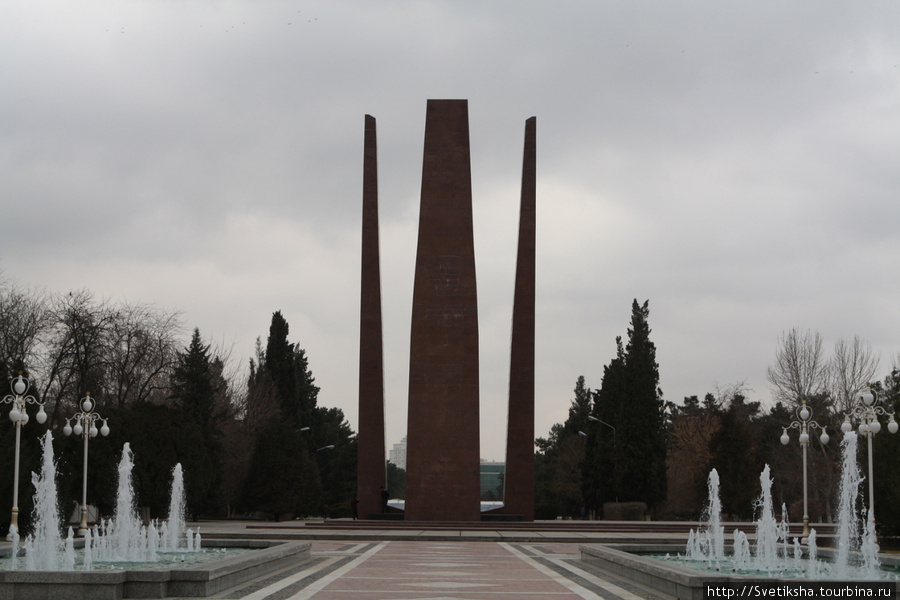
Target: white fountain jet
(709,542)
(173,531)
(43,548)
(768,533)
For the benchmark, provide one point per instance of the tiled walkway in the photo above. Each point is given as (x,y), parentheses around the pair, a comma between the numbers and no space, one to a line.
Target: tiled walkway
(434,570)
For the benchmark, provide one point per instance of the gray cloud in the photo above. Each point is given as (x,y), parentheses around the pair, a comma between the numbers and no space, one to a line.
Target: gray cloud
(733,162)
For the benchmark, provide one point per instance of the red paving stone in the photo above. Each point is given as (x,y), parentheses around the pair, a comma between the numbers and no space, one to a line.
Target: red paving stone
(400,570)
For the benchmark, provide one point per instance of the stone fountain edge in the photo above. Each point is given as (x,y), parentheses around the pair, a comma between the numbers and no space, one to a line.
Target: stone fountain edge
(194,581)
(624,560)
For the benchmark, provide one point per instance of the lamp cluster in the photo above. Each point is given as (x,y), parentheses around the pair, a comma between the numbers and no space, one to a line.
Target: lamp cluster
(18,415)
(804,423)
(86,421)
(85,425)
(866,412)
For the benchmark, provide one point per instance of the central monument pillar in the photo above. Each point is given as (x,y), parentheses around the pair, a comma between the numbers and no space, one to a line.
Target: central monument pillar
(443,461)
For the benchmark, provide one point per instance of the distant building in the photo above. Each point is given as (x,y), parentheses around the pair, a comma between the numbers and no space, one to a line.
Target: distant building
(492,480)
(397,454)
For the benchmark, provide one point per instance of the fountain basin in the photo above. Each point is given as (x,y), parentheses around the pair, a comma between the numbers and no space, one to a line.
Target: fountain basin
(194,581)
(627,561)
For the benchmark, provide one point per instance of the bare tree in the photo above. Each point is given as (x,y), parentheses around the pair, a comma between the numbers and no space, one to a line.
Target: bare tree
(73,355)
(724,394)
(140,349)
(852,366)
(688,457)
(119,354)
(800,369)
(24,318)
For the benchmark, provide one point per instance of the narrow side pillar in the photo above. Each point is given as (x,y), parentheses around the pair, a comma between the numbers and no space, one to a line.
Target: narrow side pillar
(442,477)
(518,497)
(370,438)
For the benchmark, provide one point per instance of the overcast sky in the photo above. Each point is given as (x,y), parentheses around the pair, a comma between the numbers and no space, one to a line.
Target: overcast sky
(734,162)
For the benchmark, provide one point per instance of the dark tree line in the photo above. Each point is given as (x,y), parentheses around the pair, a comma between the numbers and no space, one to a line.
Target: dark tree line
(612,446)
(623,442)
(304,456)
(264,448)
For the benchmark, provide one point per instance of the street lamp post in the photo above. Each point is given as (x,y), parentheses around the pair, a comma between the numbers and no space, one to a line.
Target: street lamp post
(804,423)
(593,418)
(867,411)
(19,416)
(85,426)
(615,443)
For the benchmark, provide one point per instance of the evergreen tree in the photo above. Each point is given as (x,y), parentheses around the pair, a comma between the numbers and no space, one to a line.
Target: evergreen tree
(160,437)
(288,369)
(734,457)
(283,480)
(600,469)
(195,387)
(337,463)
(558,489)
(315,468)
(396,480)
(279,363)
(642,436)
(630,465)
(887,459)
(579,410)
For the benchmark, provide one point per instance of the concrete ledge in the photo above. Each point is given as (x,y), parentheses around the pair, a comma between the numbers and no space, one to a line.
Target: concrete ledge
(194,581)
(672,580)
(53,585)
(680,582)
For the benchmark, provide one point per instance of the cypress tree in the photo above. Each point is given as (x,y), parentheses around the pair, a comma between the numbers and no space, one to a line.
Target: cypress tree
(288,368)
(280,366)
(626,455)
(601,482)
(642,436)
(285,471)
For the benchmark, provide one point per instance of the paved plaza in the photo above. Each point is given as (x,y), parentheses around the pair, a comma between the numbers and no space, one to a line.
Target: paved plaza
(428,565)
(353,560)
(439,570)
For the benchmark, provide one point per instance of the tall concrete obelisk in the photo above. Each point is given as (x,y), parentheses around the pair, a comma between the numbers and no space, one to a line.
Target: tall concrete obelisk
(370,475)
(518,497)
(442,477)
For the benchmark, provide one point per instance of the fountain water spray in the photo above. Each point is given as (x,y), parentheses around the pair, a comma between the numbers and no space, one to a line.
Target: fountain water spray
(857,552)
(174,528)
(709,542)
(869,545)
(767,529)
(848,527)
(43,549)
(741,554)
(812,572)
(125,528)
(120,539)
(125,539)
(14,552)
